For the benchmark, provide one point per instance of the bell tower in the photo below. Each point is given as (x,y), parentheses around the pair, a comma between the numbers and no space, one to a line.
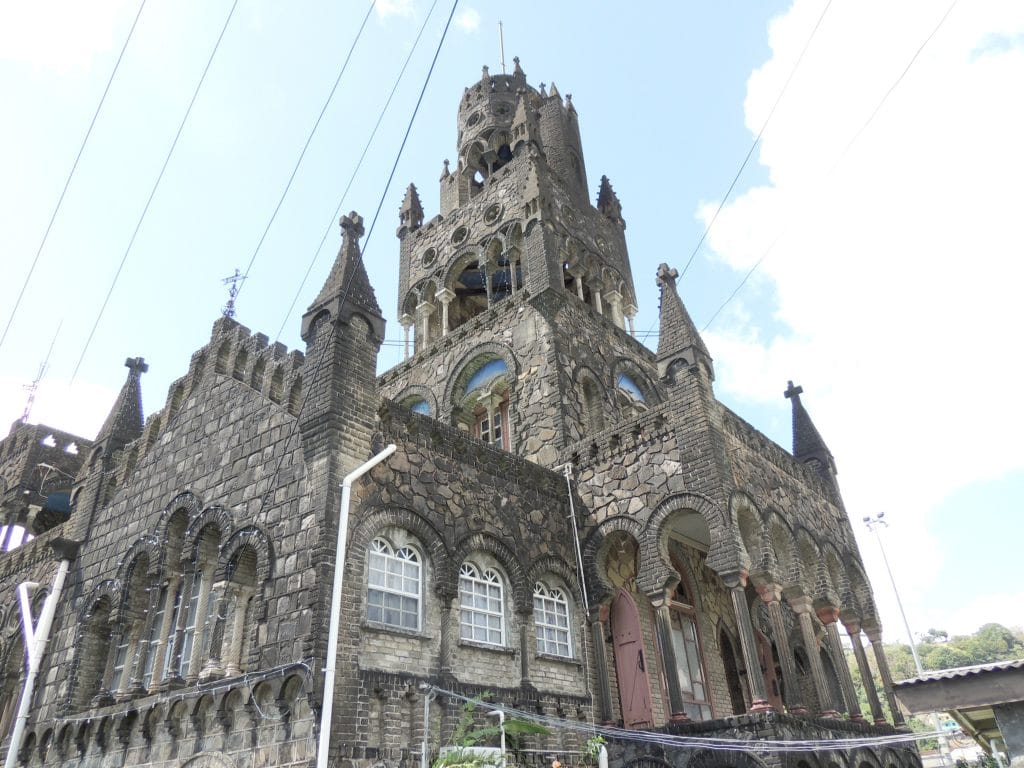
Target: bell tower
(517,299)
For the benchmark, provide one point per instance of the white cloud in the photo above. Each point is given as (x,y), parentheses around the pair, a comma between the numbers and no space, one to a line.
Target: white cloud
(60,35)
(395,8)
(468,20)
(901,269)
(79,410)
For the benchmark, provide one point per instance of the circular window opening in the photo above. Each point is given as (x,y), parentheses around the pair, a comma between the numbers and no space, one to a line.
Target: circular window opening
(460,235)
(429,257)
(473,119)
(493,213)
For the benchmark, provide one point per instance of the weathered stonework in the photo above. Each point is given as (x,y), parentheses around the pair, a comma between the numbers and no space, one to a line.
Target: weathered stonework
(570,523)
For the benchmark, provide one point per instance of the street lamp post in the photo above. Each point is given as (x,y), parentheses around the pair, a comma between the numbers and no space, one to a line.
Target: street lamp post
(874,524)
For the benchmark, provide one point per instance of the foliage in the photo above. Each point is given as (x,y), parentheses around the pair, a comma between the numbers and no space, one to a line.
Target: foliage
(592,749)
(467,734)
(992,642)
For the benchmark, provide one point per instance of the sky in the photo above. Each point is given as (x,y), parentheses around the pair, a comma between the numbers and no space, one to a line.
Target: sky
(880,208)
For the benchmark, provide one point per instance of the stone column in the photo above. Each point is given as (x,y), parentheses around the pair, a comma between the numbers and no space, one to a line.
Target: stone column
(406,321)
(142,646)
(449,610)
(828,615)
(526,649)
(852,625)
(615,307)
(423,312)
(445,296)
(771,594)
(736,582)
(663,627)
(513,272)
(579,286)
(235,633)
(598,619)
(802,608)
(595,294)
(630,312)
(212,636)
(874,633)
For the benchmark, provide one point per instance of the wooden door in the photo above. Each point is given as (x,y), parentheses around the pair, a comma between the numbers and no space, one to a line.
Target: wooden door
(630,663)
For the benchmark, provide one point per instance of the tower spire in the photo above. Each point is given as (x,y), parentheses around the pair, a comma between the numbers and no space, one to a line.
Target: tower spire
(347,289)
(808,445)
(125,420)
(608,202)
(678,338)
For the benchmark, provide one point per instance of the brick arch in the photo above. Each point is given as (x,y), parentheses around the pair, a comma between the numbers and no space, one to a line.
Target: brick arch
(522,592)
(369,524)
(808,554)
(215,515)
(864,756)
(860,587)
(549,564)
(652,396)
(783,543)
(253,537)
(417,390)
(599,589)
(726,758)
(150,547)
(746,516)
(723,554)
(185,500)
(833,564)
(464,369)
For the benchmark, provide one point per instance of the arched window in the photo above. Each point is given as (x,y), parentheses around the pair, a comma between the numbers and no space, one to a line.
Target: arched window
(484,403)
(628,386)
(482,603)
(199,605)
(689,664)
(10,683)
(393,585)
(593,409)
(238,597)
(551,620)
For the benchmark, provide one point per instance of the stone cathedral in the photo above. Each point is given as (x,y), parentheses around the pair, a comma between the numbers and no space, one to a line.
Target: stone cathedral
(571,524)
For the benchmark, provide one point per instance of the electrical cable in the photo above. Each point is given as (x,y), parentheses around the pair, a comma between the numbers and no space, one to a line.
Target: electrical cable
(348,186)
(156,185)
(67,183)
(768,746)
(362,251)
(835,165)
(750,152)
(309,138)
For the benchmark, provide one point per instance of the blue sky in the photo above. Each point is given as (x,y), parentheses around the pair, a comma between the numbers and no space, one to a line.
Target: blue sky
(890,293)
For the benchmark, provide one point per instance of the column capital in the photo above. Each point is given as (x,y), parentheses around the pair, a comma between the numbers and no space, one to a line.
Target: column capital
(406,320)
(734,579)
(827,613)
(800,604)
(770,593)
(425,308)
(445,295)
(852,623)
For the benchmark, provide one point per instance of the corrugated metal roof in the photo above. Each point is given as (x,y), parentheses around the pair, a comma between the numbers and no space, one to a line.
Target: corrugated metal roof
(977,669)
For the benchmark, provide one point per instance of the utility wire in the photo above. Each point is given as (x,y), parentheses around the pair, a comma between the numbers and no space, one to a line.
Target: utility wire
(750,152)
(757,139)
(67,183)
(156,185)
(309,138)
(362,251)
(341,202)
(835,165)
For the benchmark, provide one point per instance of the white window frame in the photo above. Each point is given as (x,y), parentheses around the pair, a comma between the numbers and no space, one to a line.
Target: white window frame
(404,585)
(551,621)
(481,605)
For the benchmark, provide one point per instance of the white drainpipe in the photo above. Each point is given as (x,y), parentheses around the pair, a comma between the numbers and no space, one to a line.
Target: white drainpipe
(339,577)
(36,638)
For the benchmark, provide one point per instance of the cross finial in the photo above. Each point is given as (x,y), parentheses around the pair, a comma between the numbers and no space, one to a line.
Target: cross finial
(352,225)
(667,275)
(136,365)
(793,392)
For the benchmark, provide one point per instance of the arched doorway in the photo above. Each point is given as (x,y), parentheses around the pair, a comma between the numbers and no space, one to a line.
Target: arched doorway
(630,662)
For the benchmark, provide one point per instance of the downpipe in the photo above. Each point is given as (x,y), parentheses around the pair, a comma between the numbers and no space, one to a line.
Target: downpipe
(330,666)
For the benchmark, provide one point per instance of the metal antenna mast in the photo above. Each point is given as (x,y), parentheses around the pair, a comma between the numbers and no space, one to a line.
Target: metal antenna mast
(501,45)
(34,386)
(235,281)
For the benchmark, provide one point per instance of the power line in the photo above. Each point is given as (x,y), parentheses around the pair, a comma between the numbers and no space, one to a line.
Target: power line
(757,139)
(309,138)
(348,186)
(156,185)
(369,234)
(842,155)
(67,183)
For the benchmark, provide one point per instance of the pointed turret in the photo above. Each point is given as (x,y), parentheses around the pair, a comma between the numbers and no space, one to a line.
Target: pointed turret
(410,215)
(125,421)
(808,446)
(553,93)
(347,290)
(608,202)
(678,339)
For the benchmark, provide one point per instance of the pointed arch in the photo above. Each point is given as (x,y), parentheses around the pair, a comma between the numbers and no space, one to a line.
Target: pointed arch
(596,548)
(254,538)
